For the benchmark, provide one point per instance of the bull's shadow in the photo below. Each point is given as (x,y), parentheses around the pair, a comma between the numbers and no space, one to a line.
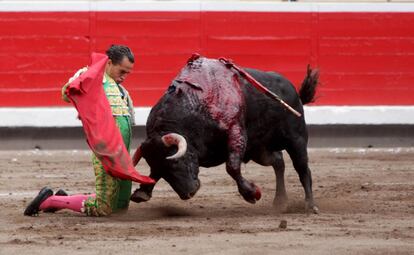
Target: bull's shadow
(208,210)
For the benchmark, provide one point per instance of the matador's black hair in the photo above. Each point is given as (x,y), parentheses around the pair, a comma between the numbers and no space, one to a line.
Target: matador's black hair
(116,53)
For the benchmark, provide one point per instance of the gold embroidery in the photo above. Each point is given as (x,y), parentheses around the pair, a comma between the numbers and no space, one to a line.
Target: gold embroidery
(117,111)
(118,105)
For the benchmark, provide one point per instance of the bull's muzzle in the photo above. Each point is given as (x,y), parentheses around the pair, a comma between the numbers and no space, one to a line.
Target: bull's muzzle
(191,194)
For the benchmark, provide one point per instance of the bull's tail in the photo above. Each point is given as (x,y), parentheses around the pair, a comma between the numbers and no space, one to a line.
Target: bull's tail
(308,89)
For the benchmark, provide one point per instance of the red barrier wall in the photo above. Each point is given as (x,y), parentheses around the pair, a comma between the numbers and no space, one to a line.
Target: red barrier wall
(364,58)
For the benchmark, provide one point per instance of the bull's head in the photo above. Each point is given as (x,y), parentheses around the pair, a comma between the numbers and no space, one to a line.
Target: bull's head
(171,158)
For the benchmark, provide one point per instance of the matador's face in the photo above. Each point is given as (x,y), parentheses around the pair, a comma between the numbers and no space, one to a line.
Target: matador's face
(120,71)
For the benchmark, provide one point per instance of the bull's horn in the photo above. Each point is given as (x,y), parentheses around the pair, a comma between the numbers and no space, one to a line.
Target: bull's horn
(137,156)
(175,139)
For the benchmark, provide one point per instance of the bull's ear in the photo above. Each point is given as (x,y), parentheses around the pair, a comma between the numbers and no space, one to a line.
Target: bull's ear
(149,147)
(154,147)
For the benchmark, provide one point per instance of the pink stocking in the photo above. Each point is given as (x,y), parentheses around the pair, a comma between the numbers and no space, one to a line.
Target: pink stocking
(74,203)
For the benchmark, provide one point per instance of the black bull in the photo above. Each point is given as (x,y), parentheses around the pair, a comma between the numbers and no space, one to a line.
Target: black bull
(211,115)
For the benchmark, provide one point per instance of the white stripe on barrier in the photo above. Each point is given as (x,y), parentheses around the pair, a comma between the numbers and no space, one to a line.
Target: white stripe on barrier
(179,5)
(381,115)
(44,6)
(316,115)
(52,117)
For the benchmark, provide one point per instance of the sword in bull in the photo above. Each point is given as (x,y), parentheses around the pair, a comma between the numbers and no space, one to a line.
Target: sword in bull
(229,64)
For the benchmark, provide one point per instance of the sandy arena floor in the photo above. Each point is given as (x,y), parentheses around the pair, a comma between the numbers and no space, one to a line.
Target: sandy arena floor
(366,199)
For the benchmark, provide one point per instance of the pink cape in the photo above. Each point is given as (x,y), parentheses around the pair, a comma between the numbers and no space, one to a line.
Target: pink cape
(103,136)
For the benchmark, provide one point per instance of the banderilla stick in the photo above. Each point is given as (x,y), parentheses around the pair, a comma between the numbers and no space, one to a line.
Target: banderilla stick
(258,85)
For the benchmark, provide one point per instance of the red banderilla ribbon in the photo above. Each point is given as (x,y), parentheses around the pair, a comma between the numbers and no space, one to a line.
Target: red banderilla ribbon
(258,85)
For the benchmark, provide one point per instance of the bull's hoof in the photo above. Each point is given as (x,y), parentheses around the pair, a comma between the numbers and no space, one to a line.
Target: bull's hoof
(311,208)
(280,204)
(140,196)
(250,192)
(315,209)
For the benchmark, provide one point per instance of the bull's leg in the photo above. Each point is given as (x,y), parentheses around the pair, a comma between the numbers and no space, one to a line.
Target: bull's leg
(299,155)
(275,159)
(237,144)
(144,192)
(280,201)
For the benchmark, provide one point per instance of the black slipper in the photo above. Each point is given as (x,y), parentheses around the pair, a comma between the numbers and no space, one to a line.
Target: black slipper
(33,208)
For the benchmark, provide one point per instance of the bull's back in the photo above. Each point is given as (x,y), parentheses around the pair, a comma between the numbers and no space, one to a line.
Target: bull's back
(269,125)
